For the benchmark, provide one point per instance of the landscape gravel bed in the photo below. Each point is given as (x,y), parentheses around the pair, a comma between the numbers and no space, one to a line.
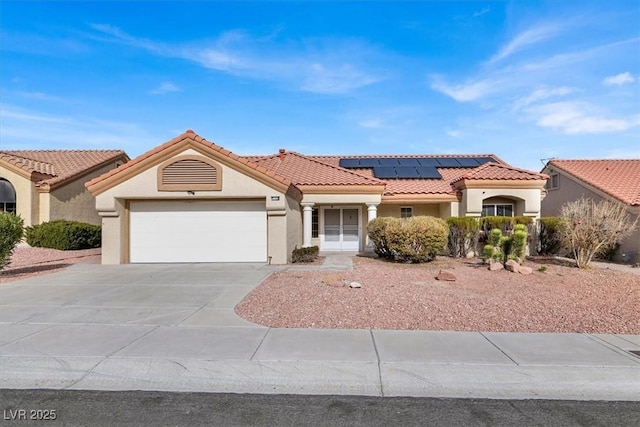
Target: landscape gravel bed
(406,296)
(27,261)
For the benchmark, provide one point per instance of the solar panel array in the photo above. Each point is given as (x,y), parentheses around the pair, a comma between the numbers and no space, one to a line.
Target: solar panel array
(418,167)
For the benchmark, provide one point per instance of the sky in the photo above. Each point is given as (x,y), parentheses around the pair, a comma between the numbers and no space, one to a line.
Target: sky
(526,80)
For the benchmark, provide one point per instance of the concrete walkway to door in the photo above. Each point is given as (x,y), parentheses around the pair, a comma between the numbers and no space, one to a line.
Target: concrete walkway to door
(173,328)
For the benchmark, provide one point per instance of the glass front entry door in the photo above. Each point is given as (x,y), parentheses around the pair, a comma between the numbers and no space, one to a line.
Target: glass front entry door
(341,230)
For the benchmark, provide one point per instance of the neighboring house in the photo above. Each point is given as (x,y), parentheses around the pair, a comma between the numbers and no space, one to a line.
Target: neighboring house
(190,200)
(45,185)
(604,179)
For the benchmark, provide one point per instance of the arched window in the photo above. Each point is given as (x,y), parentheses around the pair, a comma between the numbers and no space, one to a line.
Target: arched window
(7,196)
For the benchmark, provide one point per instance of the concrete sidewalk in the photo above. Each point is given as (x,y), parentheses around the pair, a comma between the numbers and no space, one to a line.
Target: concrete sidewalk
(173,328)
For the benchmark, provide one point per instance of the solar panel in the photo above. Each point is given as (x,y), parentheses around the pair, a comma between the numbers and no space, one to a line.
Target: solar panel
(484,160)
(409,162)
(428,172)
(468,162)
(369,163)
(407,172)
(448,162)
(428,162)
(384,172)
(349,163)
(389,162)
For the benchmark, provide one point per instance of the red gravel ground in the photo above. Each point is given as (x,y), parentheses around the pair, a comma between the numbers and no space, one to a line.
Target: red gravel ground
(27,261)
(407,296)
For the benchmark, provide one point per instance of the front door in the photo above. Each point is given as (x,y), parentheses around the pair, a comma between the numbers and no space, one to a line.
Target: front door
(341,229)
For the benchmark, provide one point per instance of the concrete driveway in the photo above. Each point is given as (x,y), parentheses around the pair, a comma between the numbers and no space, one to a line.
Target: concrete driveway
(173,328)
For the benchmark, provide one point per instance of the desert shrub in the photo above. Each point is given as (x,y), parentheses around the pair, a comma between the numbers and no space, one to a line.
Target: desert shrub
(550,235)
(503,247)
(307,254)
(593,228)
(11,231)
(518,243)
(417,239)
(504,223)
(463,235)
(377,231)
(64,235)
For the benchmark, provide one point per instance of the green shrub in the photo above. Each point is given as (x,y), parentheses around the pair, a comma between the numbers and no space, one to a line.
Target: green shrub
(64,235)
(463,235)
(550,235)
(308,254)
(377,231)
(11,232)
(417,239)
(518,242)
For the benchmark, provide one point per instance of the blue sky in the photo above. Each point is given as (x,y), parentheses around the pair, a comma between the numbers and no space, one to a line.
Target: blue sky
(526,80)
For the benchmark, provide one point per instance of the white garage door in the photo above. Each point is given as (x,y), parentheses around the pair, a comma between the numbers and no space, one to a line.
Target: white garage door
(197,231)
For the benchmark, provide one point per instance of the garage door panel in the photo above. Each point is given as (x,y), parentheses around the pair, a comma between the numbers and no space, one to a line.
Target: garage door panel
(178,231)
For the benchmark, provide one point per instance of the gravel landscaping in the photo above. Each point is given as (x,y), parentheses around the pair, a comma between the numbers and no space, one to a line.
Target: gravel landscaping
(27,261)
(407,296)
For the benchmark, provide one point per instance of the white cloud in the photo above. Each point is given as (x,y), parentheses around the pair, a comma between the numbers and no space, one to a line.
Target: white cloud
(543,93)
(371,123)
(454,133)
(165,87)
(574,118)
(526,38)
(469,91)
(619,79)
(318,66)
(481,12)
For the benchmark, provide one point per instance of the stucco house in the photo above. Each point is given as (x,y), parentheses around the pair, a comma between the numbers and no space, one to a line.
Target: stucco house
(190,200)
(45,185)
(598,179)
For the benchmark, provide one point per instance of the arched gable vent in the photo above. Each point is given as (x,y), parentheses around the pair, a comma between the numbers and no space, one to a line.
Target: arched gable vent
(186,173)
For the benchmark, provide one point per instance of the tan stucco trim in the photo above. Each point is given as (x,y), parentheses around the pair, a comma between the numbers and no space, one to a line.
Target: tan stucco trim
(158,158)
(341,189)
(187,187)
(418,198)
(497,183)
(127,234)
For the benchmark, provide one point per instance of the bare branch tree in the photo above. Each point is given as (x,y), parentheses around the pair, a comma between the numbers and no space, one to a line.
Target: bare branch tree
(592,228)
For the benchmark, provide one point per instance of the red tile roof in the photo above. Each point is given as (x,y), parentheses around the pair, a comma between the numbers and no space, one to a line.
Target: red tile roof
(494,171)
(619,178)
(305,170)
(60,165)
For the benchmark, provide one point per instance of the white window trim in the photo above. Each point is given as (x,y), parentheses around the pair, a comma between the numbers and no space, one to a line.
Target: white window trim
(495,208)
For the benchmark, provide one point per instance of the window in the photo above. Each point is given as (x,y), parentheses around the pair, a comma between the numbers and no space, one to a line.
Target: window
(406,212)
(553,182)
(7,197)
(497,210)
(314,223)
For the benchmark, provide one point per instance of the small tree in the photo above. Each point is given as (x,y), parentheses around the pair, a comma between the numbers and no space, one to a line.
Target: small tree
(592,228)
(11,230)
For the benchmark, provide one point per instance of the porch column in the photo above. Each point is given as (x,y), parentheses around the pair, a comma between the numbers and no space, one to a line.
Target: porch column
(372,213)
(307,210)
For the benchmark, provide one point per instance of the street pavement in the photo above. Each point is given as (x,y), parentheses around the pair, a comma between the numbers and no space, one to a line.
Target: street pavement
(173,327)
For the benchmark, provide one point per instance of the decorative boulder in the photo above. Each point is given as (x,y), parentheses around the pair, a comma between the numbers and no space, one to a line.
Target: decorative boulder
(446,276)
(525,270)
(512,266)
(495,266)
(355,285)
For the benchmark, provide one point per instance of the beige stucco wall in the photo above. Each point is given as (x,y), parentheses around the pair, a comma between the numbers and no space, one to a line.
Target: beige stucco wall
(27,200)
(570,190)
(234,185)
(294,226)
(527,201)
(73,201)
(432,209)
